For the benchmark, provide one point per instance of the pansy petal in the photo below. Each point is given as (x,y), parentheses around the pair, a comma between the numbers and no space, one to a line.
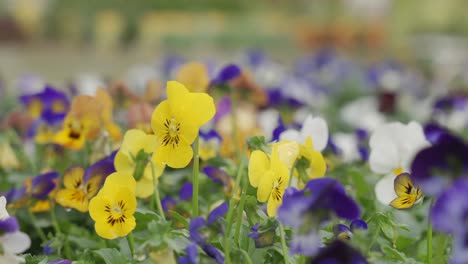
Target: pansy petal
(16,242)
(265,186)
(272,206)
(258,165)
(318,165)
(384,189)
(144,188)
(403,202)
(317,129)
(290,134)
(403,184)
(73,177)
(178,157)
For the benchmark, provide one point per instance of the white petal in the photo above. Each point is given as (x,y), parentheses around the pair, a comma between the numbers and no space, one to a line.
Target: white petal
(384,158)
(384,189)
(317,129)
(15,243)
(347,145)
(3,212)
(290,134)
(9,258)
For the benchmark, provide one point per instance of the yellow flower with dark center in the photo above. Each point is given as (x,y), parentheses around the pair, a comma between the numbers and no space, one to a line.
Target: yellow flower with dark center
(176,122)
(77,191)
(135,156)
(113,208)
(270,177)
(81,123)
(408,194)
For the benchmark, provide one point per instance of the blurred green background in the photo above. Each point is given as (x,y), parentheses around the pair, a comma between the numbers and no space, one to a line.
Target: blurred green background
(57,38)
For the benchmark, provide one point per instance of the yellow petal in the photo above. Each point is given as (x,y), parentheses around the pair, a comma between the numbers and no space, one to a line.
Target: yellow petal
(272,206)
(203,108)
(258,165)
(178,157)
(265,186)
(318,165)
(144,188)
(118,180)
(158,169)
(124,163)
(403,202)
(70,198)
(189,107)
(194,76)
(73,177)
(136,140)
(92,185)
(403,185)
(288,151)
(104,230)
(97,207)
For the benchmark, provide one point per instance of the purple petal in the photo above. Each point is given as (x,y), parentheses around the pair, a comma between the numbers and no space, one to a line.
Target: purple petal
(194,228)
(218,212)
(9,225)
(228,73)
(186,191)
(358,224)
(43,184)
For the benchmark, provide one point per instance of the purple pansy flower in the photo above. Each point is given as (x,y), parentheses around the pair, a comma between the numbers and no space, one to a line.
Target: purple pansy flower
(8,225)
(436,167)
(307,209)
(338,252)
(345,232)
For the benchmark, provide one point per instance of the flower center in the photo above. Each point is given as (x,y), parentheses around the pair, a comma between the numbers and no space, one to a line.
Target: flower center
(58,107)
(75,129)
(116,213)
(172,133)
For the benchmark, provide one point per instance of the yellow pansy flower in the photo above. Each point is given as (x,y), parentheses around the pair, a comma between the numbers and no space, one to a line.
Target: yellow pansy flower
(77,190)
(113,208)
(134,158)
(176,122)
(8,159)
(81,123)
(408,194)
(270,177)
(194,76)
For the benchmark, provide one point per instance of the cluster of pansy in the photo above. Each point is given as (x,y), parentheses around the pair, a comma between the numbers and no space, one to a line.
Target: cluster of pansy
(260,114)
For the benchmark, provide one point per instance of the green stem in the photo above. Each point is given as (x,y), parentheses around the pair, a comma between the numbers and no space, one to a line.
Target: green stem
(53,217)
(284,247)
(131,244)
(247,258)
(156,197)
(58,232)
(196,163)
(38,229)
(429,235)
(230,213)
(241,209)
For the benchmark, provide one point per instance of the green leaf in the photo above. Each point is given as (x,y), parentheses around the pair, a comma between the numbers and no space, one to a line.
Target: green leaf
(111,256)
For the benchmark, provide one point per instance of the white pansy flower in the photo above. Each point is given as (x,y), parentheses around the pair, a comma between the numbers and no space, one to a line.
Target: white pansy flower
(314,127)
(392,149)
